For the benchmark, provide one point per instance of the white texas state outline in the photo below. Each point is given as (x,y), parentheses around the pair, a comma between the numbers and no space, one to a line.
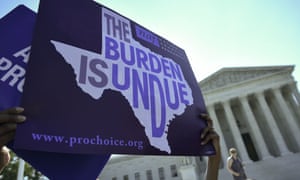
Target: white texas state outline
(72,55)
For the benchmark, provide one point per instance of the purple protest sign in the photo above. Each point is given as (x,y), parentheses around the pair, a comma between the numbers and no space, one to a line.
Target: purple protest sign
(104,84)
(16,29)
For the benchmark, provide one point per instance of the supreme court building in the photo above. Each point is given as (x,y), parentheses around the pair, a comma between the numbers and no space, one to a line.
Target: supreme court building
(254,109)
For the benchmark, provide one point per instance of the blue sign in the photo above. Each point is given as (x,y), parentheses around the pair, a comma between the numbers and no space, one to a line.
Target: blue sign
(98,82)
(16,29)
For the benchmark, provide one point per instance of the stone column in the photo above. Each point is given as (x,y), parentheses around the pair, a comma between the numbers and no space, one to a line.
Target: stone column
(272,124)
(295,91)
(236,133)
(289,94)
(216,124)
(260,144)
(288,115)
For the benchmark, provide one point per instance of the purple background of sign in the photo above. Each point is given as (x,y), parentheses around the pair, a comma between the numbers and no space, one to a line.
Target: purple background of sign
(16,34)
(51,93)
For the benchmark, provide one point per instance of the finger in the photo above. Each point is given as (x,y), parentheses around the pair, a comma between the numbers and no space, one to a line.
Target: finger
(204,116)
(12,115)
(8,118)
(6,138)
(210,137)
(13,110)
(204,132)
(207,119)
(7,127)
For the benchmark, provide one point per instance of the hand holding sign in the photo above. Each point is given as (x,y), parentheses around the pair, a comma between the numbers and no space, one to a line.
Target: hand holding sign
(9,119)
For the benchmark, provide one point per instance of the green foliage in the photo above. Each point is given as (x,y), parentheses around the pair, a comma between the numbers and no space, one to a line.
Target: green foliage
(11,170)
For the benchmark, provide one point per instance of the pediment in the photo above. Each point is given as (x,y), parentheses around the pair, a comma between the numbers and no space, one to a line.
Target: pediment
(230,76)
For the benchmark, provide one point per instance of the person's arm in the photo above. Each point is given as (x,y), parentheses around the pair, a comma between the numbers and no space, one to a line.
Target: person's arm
(213,165)
(207,135)
(229,164)
(9,119)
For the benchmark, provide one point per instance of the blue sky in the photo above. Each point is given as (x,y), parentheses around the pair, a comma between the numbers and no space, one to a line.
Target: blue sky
(216,33)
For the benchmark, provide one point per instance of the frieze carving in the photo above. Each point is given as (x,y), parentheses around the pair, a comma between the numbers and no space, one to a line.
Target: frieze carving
(225,77)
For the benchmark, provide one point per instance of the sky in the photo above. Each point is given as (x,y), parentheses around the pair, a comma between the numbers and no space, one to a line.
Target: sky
(216,33)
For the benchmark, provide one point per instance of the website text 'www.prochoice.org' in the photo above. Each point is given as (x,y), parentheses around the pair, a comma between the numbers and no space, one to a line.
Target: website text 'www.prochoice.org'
(96,140)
